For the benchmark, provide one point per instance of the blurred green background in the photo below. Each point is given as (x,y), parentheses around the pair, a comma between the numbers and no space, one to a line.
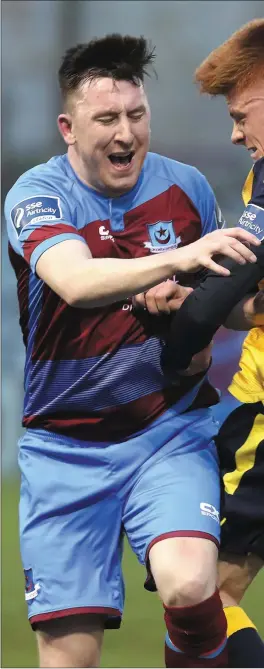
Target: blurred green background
(139,642)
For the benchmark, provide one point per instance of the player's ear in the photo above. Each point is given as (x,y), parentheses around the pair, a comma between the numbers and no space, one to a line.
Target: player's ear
(65,126)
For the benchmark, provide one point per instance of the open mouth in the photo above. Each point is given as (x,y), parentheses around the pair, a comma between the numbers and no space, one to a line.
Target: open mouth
(121,159)
(252,150)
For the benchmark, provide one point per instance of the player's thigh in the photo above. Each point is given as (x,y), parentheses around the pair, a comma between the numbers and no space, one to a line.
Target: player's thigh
(177,495)
(75,641)
(70,532)
(241,450)
(235,575)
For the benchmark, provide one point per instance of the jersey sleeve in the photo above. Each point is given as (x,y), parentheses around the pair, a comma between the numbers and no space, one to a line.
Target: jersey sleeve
(207,308)
(210,212)
(252,218)
(38,216)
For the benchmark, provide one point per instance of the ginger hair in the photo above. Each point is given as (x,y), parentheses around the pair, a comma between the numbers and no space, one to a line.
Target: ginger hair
(236,63)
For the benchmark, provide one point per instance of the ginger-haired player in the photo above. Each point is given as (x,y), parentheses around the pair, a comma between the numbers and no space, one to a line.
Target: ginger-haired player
(236,71)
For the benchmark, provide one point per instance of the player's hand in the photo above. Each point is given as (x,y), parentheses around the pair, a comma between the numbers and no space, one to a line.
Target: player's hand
(162,299)
(200,362)
(231,242)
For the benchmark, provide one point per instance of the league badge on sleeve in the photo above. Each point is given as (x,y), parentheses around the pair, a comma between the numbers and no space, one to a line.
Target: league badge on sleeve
(252,220)
(31,590)
(162,237)
(35,209)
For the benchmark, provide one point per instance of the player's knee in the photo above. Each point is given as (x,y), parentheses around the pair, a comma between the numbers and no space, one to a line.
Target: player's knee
(187,590)
(74,641)
(184,570)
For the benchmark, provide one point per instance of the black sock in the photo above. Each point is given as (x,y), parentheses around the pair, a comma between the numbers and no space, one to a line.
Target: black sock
(245,649)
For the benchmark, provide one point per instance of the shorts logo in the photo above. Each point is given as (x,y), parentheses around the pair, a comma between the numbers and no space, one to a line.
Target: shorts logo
(162,237)
(31,590)
(252,219)
(210,511)
(35,210)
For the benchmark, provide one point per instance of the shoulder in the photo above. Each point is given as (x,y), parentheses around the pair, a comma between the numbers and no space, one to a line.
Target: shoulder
(187,177)
(174,170)
(258,183)
(43,193)
(45,187)
(51,175)
(253,194)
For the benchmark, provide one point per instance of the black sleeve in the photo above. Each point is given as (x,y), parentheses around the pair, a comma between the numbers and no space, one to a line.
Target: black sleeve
(207,308)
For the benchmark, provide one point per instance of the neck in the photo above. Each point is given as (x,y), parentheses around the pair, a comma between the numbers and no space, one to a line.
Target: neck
(79,167)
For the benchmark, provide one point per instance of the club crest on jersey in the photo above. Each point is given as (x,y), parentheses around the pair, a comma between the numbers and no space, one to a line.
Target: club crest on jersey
(31,590)
(162,236)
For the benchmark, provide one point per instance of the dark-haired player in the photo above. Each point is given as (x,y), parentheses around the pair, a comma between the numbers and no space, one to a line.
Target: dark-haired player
(109,444)
(236,70)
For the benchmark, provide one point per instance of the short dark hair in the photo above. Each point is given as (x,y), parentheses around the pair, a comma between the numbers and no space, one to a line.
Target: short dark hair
(120,57)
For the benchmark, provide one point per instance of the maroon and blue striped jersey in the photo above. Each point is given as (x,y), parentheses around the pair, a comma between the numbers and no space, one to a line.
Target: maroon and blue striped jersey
(96,373)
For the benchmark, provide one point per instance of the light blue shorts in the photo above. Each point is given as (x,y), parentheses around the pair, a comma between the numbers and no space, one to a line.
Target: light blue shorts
(79,498)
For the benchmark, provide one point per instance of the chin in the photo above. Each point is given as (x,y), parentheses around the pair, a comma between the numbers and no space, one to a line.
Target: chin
(123,185)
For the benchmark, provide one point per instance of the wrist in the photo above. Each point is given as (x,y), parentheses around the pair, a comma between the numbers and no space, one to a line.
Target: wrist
(254,310)
(249,310)
(258,306)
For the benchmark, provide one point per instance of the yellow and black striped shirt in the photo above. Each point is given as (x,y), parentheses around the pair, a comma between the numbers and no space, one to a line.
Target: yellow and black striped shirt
(248,382)
(208,306)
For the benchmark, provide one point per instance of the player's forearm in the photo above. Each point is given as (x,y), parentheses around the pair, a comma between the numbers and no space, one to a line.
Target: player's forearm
(107,280)
(207,308)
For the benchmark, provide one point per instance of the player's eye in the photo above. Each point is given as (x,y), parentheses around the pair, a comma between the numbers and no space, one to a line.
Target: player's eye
(239,119)
(107,120)
(137,116)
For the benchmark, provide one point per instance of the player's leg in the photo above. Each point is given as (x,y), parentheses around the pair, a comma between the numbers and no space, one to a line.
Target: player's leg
(172,521)
(70,524)
(75,641)
(241,449)
(184,570)
(236,573)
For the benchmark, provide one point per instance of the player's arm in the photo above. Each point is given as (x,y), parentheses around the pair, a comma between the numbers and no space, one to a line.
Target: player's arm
(86,282)
(207,308)
(42,229)
(247,313)
(214,302)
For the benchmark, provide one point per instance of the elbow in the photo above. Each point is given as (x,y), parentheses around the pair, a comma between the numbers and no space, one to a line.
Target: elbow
(77,299)
(72,296)
(73,301)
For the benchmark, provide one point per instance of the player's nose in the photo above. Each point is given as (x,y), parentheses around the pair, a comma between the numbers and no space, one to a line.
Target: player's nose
(237,135)
(124,133)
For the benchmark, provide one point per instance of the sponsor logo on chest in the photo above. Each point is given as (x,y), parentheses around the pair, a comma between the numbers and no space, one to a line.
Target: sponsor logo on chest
(105,234)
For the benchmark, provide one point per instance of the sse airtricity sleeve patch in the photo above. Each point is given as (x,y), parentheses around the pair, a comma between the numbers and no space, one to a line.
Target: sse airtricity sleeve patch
(34,210)
(252,220)
(37,221)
